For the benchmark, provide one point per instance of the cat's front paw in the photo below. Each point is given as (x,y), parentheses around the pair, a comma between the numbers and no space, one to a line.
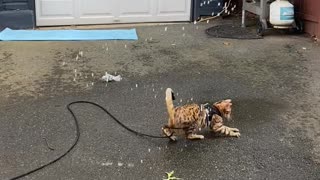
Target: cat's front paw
(235,134)
(173,138)
(234,129)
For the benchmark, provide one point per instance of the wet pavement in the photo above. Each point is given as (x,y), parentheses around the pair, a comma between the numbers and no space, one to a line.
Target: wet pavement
(273,82)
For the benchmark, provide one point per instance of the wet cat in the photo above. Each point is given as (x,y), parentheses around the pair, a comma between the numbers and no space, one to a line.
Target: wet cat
(192,117)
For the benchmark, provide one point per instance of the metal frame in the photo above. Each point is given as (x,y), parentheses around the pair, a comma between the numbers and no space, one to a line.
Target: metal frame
(259,8)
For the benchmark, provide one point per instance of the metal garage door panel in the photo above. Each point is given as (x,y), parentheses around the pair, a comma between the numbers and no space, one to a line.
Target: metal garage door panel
(96,11)
(55,12)
(68,12)
(155,10)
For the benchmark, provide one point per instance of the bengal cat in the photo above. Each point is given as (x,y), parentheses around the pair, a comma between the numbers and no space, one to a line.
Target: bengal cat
(192,117)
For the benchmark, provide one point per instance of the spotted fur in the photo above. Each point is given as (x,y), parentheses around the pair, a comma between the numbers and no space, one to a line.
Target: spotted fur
(192,117)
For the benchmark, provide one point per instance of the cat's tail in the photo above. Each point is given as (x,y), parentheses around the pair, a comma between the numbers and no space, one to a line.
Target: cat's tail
(170,107)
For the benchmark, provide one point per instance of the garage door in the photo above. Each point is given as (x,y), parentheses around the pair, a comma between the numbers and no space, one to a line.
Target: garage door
(72,12)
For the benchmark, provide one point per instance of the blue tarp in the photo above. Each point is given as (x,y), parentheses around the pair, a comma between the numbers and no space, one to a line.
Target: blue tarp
(67,35)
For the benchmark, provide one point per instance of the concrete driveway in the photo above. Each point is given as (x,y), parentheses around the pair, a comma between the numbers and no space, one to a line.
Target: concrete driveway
(274,83)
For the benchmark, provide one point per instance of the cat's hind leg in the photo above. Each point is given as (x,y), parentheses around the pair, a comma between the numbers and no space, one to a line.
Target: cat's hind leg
(190,134)
(167,132)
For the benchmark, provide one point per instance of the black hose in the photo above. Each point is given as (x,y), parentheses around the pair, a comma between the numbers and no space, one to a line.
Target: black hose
(78,135)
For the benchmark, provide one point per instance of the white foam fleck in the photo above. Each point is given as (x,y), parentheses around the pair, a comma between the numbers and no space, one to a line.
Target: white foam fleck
(120,164)
(108,163)
(130,165)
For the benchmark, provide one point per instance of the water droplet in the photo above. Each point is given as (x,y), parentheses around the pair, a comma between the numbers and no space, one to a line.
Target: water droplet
(107,49)
(153,89)
(125,46)
(166,28)
(77,57)
(141,161)
(183,28)
(159,148)
(120,164)
(75,71)
(150,39)
(150,168)
(204,3)
(92,74)
(149,150)
(155,96)
(161,88)
(136,85)
(201,4)
(180,100)
(219,4)
(195,22)
(212,14)
(108,163)
(92,83)
(130,165)
(81,53)
(208,21)
(191,99)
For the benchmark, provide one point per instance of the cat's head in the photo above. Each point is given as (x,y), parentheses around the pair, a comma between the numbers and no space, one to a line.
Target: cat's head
(225,107)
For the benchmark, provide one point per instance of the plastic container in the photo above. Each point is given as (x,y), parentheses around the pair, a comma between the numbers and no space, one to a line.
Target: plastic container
(281,13)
